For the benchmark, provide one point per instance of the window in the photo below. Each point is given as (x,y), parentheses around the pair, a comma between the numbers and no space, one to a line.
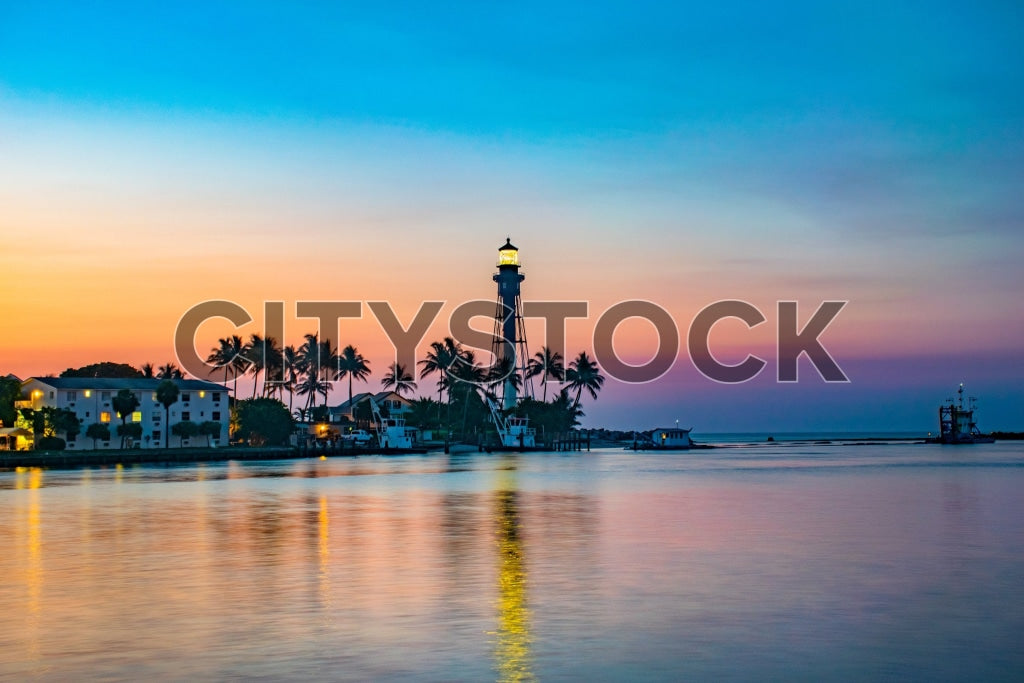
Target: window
(51,394)
(156,435)
(88,393)
(202,394)
(154,397)
(105,416)
(186,396)
(156,418)
(137,416)
(216,397)
(105,396)
(72,395)
(215,416)
(185,416)
(87,413)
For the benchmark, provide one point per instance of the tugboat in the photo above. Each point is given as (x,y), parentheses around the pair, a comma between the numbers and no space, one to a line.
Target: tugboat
(956,422)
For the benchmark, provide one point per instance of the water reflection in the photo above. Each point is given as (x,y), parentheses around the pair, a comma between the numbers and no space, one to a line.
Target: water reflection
(32,548)
(512,651)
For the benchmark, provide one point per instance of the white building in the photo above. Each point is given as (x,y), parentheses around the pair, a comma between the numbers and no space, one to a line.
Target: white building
(91,400)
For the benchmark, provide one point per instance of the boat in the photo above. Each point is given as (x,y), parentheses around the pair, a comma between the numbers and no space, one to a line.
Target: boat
(391,432)
(514,433)
(956,422)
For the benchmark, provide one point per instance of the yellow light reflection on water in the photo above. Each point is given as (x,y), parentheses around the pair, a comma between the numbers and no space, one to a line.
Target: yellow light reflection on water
(512,651)
(324,551)
(31,479)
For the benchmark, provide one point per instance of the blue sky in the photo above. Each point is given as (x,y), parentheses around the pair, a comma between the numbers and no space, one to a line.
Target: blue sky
(664,151)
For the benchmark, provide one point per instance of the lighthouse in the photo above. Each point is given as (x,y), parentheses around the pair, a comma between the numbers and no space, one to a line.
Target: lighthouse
(509,345)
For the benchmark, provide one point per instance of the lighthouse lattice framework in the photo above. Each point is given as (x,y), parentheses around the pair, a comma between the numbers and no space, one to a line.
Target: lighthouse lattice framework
(509,340)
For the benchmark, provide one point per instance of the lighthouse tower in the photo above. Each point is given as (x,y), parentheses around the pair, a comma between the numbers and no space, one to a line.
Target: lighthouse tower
(509,345)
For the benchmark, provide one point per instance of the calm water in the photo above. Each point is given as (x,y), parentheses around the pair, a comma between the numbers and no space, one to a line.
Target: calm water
(785,562)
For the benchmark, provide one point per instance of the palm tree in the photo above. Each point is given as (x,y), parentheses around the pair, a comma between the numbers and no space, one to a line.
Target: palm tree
(439,359)
(167,395)
(351,364)
(125,403)
(255,352)
(472,377)
(328,364)
(546,363)
(583,373)
(148,370)
(169,371)
(220,357)
(273,360)
(263,355)
(398,378)
(291,368)
(501,372)
(239,363)
(311,361)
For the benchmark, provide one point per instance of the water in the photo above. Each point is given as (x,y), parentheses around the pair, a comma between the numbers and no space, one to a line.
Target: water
(795,561)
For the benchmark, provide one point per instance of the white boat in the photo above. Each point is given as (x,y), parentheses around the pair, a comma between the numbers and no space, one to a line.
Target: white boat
(391,431)
(513,432)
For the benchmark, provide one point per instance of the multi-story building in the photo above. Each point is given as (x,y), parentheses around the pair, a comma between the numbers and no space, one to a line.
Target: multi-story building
(91,400)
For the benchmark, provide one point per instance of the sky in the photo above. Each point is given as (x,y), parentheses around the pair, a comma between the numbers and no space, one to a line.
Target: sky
(155,157)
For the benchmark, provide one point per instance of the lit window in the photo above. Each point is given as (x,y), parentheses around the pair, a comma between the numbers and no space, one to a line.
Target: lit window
(88,393)
(202,394)
(137,416)
(105,416)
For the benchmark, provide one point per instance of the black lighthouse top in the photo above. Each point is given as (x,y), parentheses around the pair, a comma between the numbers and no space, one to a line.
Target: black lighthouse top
(508,255)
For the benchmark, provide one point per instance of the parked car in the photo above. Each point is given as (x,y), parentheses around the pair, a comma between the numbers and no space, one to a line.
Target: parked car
(358,436)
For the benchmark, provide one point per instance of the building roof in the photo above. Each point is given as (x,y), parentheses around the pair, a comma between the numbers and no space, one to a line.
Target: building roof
(359,398)
(118,383)
(508,245)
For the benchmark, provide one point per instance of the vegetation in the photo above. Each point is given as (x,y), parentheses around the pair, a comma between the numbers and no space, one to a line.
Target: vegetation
(263,422)
(98,432)
(350,363)
(463,385)
(583,373)
(129,433)
(50,443)
(185,429)
(167,395)
(104,369)
(10,391)
(210,429)
(398,380)
(547,364)
(124,403)
(169,371)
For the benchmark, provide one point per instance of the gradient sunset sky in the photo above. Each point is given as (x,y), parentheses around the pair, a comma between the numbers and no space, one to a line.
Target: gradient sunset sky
(155,157)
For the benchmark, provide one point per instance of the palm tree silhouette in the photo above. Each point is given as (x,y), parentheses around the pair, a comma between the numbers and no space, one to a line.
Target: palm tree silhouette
(399,378)
(583,373)
(255,352)
(169,371)
(167,395)
(546,363)
(291,367)
(351,364)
